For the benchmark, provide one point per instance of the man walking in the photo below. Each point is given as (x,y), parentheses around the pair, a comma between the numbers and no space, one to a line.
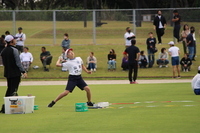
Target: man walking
(133,53)
(21,37)
(159,25)
(174,52)
(12,67)
(177,25)
(75,66)
(128,36)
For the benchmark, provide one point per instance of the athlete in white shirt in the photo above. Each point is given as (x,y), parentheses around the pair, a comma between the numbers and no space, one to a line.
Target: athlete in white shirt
(196,83)
(75,66)
(128,37)
(21,37)
(26,58)
(174,52)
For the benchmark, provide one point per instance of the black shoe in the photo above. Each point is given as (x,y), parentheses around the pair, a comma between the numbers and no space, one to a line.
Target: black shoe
(46,69)
(89,103)
(51,104)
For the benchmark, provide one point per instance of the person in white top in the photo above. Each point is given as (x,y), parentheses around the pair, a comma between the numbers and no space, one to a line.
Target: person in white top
(63,59)
(26,59)
(128,37)
(21,37)
(75,66)
(196,83)
(174,52)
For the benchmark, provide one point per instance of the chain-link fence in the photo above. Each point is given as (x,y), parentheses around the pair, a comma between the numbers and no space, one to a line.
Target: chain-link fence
(90,26)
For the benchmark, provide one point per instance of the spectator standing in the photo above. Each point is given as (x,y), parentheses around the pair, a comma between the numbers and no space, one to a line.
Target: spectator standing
(174,52)
(151,45)
(196,83)
(185,63)
(66,42)
(21,37)
(163,58)
(26,59)
(159,25)
(12,67)
(184,34)
(193,29)
(133,53)
(91,62)
(112,60)
(45,57)
(190,44)
(177,25)
(2,46)
(143,60)
(128,37)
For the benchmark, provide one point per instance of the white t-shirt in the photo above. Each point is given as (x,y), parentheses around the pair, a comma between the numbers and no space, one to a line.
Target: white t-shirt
(160,24)
(20,42)
(126,35)
(74,66)
(26,57)
(174,51)
(196,82)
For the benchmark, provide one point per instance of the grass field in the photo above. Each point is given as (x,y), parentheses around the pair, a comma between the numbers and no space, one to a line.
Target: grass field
(157,108)
(109,36)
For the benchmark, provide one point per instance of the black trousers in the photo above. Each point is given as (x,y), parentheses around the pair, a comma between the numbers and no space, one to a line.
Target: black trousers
(12,84)
(160,32)
(133,67)
(20,48)
(177,31)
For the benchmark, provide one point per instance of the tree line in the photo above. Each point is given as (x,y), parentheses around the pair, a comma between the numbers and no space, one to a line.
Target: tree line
(94,4)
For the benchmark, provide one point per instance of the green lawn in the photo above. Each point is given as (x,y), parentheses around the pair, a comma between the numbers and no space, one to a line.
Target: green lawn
(109,36)
(151,112)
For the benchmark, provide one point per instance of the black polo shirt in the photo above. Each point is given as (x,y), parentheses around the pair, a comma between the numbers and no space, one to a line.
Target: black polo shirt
(190,38)
(132,52)
(179,21)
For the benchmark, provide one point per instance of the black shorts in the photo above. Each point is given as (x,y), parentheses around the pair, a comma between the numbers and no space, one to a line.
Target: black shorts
(75,80)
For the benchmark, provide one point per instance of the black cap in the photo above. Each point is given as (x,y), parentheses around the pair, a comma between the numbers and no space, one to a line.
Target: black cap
(20,28)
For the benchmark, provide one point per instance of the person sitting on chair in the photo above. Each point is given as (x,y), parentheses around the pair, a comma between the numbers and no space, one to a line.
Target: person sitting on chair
(63,59)
(143,60)
(124,64)
(26,59)
(45,58)
(112,60)
(185,63)
(91,62)
(163,58)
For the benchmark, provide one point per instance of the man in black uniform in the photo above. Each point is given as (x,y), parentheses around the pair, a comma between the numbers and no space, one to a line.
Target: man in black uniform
(12,67)
(159,25)
(177,24)
(133,53)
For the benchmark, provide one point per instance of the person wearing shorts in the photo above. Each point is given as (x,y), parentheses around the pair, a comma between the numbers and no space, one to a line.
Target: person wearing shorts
(174,52)
(75,66)
(196,83)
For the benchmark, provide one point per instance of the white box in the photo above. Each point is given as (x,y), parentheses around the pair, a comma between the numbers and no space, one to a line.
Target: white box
(19,104)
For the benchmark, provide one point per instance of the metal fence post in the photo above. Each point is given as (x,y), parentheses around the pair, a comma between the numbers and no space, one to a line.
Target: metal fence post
(94,27)
(54,27)
(134,23)
(14,22)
